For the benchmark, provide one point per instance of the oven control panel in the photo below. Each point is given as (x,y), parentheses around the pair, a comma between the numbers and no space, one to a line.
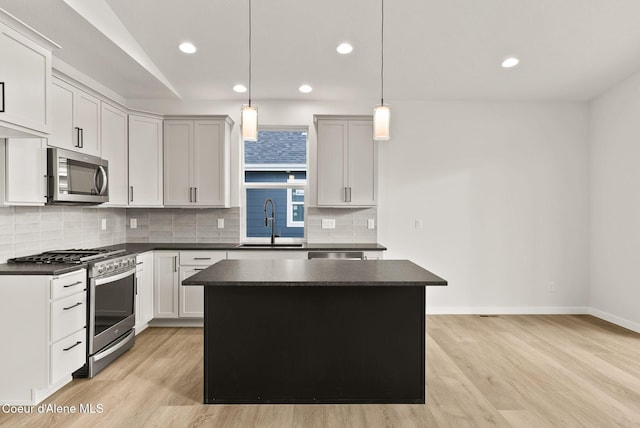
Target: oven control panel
(113,265)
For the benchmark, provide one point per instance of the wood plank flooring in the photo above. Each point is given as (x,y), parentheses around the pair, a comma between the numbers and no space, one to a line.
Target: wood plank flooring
(505,371)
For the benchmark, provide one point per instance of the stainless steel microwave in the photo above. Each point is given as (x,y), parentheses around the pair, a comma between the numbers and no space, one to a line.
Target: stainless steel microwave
(75,178)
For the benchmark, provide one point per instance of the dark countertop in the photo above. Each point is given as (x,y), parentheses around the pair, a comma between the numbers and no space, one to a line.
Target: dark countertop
(138,248)
(37,269)
(325,272)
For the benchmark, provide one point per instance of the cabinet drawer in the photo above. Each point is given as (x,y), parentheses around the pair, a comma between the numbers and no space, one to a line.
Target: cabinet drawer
(68,284)
(68,355)
(201,258)
(68,315)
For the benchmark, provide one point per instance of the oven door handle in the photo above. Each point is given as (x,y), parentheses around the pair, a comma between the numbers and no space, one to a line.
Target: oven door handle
(111,278)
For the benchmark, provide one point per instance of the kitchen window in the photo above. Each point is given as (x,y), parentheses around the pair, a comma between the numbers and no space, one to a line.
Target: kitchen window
(275,167)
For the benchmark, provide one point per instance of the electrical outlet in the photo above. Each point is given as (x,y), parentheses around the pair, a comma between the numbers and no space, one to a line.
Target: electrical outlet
(133,223)
(104,224)
(371,223)
(328,223)
(552,287)
(220,223)
(418,224)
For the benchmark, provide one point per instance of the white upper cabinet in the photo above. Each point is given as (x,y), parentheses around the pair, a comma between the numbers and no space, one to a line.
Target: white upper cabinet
(24,169)
(76,119)
(196,166)
(114,137)
(25,80)
(347,162)
(145,161)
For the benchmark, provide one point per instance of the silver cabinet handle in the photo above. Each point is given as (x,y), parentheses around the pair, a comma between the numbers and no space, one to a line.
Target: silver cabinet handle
(77,144)
(190,194)
(202,258)
(72,306)
(195,194)
(72,346)
(199,269)
(175,263)
(74,284)
(2,102)
(81,142)
(347,194)
(131,193)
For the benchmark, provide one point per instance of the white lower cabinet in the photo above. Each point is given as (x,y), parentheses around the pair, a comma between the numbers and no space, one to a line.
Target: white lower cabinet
(172,299)
(191,296)
(165,284)
(47,339)
(144,290)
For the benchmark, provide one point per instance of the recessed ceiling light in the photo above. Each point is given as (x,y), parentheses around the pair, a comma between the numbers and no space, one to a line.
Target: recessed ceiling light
(240,88)
(344,48)
(510,62)
(305,89)
(187,47)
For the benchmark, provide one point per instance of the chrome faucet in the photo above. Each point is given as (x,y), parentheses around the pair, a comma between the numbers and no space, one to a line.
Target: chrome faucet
(272,218)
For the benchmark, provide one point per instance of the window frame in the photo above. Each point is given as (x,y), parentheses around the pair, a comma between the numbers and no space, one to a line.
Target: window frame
(289,184)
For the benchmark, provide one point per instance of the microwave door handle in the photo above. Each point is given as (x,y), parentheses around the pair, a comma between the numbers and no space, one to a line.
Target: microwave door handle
(100,171)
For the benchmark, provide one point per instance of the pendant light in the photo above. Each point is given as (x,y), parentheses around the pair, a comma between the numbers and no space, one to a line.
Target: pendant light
(381,112)
(249,112)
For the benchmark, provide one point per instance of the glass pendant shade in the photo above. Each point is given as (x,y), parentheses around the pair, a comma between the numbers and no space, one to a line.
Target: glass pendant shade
(249,123)
(381,120)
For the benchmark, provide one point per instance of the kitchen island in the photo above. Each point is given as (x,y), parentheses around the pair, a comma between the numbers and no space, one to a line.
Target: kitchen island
(314,331)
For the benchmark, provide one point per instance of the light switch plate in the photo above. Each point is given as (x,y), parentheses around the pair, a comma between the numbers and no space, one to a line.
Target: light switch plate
(104,224)
(371,223)
(328,223)
(220,223)
(133,223)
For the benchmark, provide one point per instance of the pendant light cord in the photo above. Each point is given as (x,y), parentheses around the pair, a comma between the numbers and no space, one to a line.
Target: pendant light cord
(249,53)
(382,56)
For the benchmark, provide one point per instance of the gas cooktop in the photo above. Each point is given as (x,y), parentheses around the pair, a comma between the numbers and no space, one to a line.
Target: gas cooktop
(74,256)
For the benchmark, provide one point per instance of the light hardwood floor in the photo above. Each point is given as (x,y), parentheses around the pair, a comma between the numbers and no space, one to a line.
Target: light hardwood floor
(506,371)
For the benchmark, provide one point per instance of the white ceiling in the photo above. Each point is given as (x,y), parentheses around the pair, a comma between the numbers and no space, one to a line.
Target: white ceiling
(434,49)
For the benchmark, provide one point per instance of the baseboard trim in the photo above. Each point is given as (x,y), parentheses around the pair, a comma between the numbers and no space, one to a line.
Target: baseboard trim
(509,310)
(633,326)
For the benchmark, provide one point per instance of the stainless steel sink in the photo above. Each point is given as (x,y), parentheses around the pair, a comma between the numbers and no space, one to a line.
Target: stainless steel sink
(270,245)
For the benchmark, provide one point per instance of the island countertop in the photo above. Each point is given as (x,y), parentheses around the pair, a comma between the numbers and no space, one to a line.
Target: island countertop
(325,272)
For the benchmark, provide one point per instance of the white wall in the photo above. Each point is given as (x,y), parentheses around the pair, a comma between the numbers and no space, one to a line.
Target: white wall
(502,193)
(615,204)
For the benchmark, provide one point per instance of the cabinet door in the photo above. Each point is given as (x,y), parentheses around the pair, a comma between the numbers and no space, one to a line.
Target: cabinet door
(362,161)
(209,166)
(145,161)
(87,118)
(332,162)
(25,171)
(113,137)
(178,158)
(191,296)
(144,298)
(25,73)
(165,280)
(62,98)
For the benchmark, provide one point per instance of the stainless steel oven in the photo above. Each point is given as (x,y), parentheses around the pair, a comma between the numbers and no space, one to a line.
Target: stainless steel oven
(75,178)
(111,316)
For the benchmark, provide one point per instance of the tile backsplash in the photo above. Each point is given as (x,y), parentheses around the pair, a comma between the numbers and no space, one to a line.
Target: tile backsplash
(31,230)
(183,225)
(351,225)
